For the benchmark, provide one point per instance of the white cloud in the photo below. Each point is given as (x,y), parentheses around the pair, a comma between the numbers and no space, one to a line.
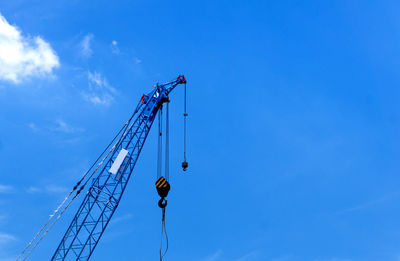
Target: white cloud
(334,259)
(114,47)
(57,126)
(22,57)
(56,189)
(121,218)
(214,257)
(5,189)
(5,238)
(62,126)
(97,79)
(249,256)
(282,258)
(6,241)
(33,190)
(100,91)
(86,49)
(369,204)
(33,126)
(52,189)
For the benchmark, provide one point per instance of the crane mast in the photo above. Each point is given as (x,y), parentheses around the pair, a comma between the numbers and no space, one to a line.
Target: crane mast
(107,188)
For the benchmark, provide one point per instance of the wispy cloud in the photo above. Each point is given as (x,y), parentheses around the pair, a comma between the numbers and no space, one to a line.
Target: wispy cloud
(85,46)
(333,259)
(368,204)
(6,238)
(97,79)
(282,258)
(56,189)
(22,57)
(6,189)
(100,92)
(249,256)
(51,189)
(33,126)
(62,126)
(33,190)
(253,255)
(58,125)
(214,257)
(121,219)
(6,241)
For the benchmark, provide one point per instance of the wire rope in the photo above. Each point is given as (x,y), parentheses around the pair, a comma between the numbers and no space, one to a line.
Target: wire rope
(184,124)
(167,142)
(163,231)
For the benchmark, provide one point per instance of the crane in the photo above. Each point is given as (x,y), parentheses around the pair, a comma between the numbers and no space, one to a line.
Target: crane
(110,181)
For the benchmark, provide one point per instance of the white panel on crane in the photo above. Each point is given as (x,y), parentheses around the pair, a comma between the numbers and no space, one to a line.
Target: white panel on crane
(118,161)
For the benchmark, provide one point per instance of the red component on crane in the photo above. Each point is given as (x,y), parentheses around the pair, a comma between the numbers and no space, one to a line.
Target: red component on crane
(144,98)
(183,79)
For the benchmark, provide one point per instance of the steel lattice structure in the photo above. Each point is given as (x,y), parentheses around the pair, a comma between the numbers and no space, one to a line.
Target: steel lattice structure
(106,190)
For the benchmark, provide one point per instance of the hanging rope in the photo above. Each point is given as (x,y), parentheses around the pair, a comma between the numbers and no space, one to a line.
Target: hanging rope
(159,156)
(163,232)
(184,127)
(167,142)
(124,128)
(185,164)
(162,183)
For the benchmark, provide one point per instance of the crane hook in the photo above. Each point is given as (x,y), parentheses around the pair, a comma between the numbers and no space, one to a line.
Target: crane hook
(162,203)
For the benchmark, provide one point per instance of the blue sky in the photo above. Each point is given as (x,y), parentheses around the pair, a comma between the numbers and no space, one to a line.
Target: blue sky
(293,125)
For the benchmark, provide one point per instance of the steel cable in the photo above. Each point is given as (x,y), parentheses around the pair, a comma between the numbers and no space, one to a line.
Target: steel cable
(184,125)
(167,142)
(159,151)
(163,231)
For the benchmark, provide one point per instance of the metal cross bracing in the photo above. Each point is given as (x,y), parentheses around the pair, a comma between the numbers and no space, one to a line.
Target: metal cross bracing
(104,195)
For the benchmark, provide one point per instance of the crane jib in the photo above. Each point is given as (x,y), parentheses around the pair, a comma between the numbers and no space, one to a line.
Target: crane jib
(106,190)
